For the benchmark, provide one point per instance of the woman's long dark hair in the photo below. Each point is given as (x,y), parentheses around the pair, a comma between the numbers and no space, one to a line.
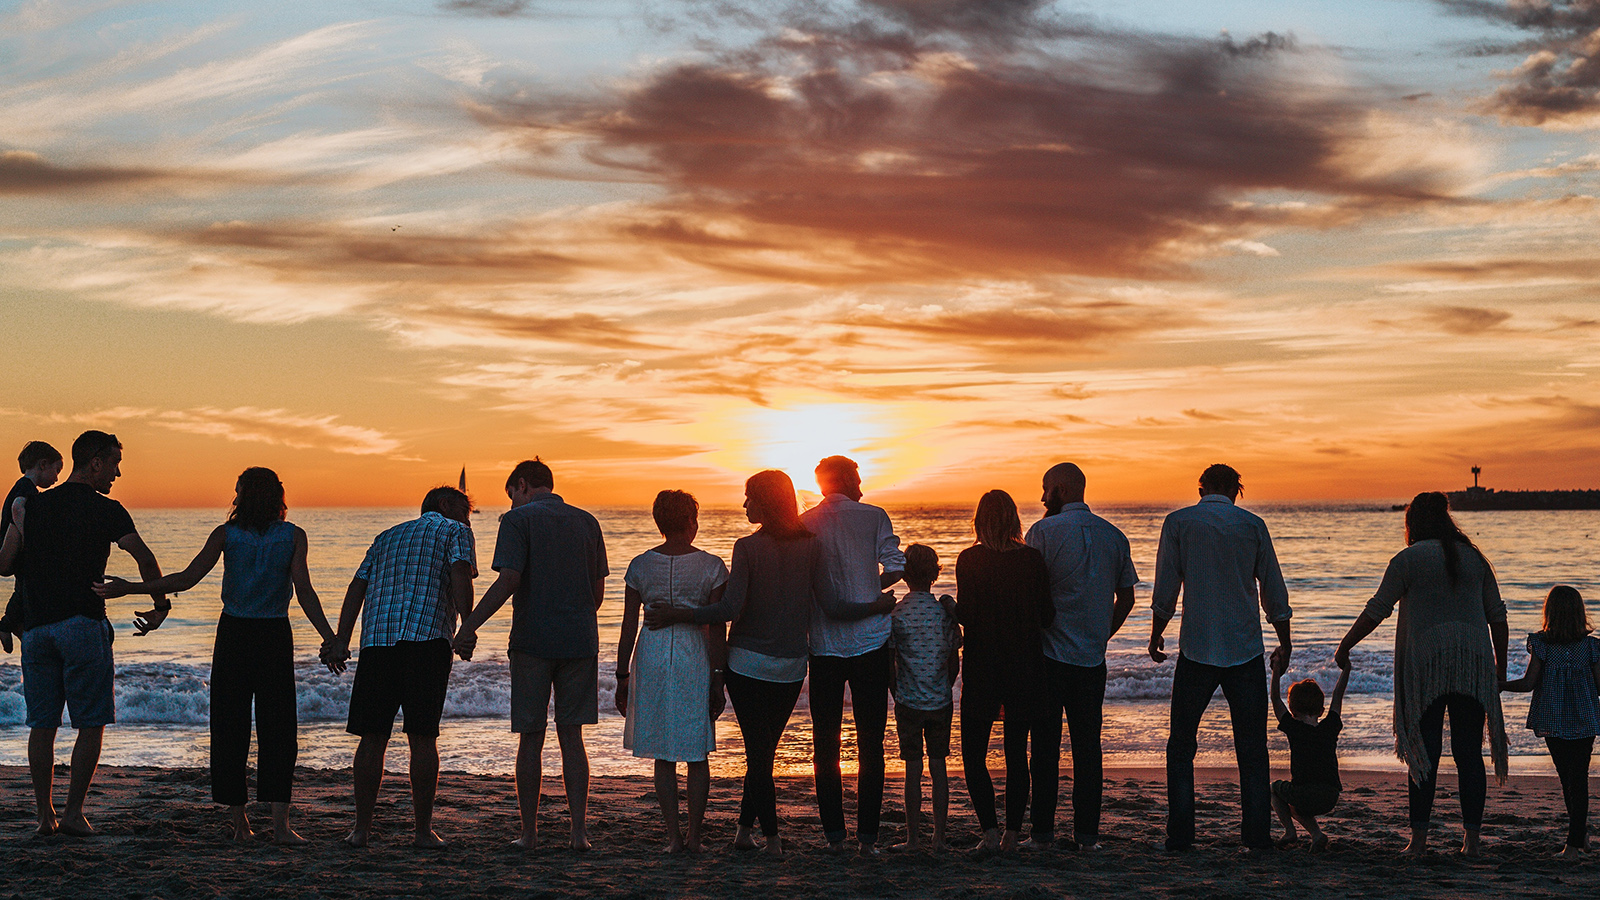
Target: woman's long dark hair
(260,500)
(996,522)
(1428,518)
(773,492)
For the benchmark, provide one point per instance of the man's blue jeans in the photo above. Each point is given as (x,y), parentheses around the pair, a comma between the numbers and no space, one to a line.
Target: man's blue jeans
(1245,688)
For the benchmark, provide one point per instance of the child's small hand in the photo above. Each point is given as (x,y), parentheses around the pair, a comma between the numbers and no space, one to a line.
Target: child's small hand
(1342,660)
(1277,666)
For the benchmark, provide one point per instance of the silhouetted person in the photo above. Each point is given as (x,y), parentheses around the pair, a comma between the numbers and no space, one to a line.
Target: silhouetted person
(60,542)
(1002,602)
(861,555)
(551,560)
(252,665)
(1091,587)
(1449,656)
(41,466)
(1222,559)
(414,581)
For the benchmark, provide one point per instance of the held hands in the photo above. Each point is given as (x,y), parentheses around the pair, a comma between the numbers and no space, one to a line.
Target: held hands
(1341,657)
(1157,642)
(146,622)
(112,587)
(335,655)
(464,643)
(1280,658)
(1278,668)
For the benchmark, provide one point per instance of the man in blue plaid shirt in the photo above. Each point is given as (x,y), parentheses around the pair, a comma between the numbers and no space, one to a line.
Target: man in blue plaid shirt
(414,583)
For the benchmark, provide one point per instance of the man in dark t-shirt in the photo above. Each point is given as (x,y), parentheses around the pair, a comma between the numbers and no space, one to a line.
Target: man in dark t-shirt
(41,466)
(59,543)
(551,560)
(1313,786)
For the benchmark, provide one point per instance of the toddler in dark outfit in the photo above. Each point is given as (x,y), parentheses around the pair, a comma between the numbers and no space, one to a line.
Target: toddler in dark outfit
(1313,786)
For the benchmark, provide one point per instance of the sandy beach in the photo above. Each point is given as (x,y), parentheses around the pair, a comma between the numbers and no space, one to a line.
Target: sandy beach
(161,837)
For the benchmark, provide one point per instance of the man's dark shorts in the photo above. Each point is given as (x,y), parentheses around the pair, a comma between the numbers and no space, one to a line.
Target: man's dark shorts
(411,676)
(914,726)
(1307,799)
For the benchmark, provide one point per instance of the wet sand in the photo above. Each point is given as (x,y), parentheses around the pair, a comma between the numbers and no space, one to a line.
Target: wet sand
(162,837)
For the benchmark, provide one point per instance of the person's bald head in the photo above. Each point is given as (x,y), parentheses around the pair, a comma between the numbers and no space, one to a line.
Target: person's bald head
(1063,484)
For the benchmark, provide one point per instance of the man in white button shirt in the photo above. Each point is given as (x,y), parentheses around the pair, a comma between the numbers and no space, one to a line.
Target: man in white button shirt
(1091,583)
(1219,554)
(862,556)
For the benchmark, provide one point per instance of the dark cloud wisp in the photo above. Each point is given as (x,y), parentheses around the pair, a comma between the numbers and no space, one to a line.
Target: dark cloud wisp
(1559,78)
(901,143)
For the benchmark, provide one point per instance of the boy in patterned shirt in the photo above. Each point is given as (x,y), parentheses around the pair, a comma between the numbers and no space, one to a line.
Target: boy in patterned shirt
(927,656)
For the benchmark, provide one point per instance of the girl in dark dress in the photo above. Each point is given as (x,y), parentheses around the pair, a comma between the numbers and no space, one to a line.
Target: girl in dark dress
(1003,602)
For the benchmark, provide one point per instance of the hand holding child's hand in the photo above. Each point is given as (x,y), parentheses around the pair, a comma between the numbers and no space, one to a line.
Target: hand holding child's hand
(1341,657)
(1278,667)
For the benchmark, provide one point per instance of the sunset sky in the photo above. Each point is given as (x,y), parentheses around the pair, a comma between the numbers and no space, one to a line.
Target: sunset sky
(1349,247)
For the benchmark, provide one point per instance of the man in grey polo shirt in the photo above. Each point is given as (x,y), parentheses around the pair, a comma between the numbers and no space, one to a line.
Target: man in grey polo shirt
(1091,582)
(1219,554)
(551,559)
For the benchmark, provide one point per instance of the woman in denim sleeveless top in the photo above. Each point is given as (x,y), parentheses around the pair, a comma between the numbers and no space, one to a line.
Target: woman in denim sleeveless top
(254,656)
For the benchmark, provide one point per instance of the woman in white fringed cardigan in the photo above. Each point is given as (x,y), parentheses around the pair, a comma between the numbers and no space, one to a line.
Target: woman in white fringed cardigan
(1449,656)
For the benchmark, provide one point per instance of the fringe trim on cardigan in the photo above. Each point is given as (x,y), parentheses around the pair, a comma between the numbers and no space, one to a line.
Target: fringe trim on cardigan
(1461,666)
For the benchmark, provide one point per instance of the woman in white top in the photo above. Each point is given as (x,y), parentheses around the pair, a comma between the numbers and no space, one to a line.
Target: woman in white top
(671,692)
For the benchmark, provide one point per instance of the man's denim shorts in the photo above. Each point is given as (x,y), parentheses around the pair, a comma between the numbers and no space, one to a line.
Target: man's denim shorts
(68,664)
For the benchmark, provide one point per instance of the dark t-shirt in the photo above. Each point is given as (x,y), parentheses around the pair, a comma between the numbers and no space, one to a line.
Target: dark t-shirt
(1313,750)
(23,488)
(69,533)
(560,552)
(1003,603)
(16,607)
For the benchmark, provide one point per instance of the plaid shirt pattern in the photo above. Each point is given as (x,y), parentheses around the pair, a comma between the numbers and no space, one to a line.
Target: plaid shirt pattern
(406,572)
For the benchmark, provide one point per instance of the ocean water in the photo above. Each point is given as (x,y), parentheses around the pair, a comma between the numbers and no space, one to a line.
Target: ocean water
(1333,556)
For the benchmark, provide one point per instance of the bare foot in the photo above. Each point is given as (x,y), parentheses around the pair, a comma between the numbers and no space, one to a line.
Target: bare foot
(939,845)
(674,845)
(48,825)
(580,843)
(774,847)
(910,846)
(527,842)
(241,827)
(835,847)
(287,838)
(429,841)
(1571,852)
(694,848)
(1319,843)
(357,838)
(1470,845)
(76,826)
(745,839)
(868,851)
(1010,842)
(1416,847)
(1289,840)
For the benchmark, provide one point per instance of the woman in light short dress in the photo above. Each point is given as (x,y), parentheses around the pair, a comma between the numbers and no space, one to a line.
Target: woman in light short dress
(669,681)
